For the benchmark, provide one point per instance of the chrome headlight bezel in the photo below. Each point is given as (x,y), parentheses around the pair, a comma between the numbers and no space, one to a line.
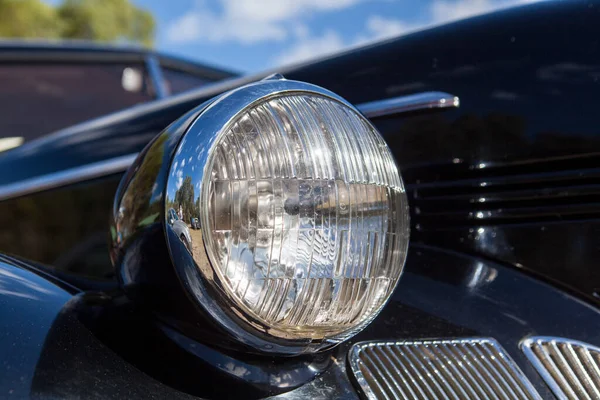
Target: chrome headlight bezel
(196,274)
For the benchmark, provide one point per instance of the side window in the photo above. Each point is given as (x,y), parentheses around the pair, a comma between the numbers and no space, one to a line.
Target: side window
(178,81)
(39,98)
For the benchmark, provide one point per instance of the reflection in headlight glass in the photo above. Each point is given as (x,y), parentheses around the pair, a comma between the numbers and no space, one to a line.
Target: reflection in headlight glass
(306,224)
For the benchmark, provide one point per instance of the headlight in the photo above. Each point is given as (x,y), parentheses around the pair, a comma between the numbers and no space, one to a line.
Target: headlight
(303,216)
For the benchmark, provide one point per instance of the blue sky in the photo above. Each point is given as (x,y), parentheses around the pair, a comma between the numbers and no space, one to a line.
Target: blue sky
(251,35)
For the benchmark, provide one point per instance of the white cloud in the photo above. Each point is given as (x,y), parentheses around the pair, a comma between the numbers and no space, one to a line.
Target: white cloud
(280,10)
(308,46)
(204,25)
(184,29)
(301,31)
(311,47)
(446,10)
(247,21)
(451,10)
(378,27)
(179,175)
(250,22)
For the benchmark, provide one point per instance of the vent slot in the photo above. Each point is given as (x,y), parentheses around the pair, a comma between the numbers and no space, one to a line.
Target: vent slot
(494,196)
(569,367)
(438,369)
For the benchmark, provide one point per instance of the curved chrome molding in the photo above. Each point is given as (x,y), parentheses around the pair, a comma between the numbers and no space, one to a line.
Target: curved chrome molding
(66,177)
(404,104)
(569,367)
(473,368)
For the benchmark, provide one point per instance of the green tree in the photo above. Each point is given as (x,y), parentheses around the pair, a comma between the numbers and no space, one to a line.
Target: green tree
(29,19)
(185,197)
(106,20)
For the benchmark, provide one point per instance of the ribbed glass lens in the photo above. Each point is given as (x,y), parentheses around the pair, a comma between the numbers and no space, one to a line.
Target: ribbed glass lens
(306,224)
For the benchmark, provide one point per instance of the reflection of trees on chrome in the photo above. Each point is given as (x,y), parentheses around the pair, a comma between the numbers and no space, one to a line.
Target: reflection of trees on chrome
(184,197)
(137,200)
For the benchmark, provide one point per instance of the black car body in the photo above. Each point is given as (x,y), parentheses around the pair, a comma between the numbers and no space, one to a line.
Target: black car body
(503,193)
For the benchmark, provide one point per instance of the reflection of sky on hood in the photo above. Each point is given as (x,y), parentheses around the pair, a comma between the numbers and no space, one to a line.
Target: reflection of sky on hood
(28,306)
(12,284)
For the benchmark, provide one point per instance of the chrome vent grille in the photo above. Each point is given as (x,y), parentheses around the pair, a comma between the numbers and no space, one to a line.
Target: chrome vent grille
(569,367)
(438,369)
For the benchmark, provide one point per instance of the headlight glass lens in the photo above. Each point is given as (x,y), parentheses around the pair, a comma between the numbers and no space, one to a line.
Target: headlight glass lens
(306,222)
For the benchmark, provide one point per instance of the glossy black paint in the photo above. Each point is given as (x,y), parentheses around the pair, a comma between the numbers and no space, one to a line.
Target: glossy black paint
(184,364)
(29,303)
(513,174)
(525,140)
(525,137)
(66,228)
(99,345)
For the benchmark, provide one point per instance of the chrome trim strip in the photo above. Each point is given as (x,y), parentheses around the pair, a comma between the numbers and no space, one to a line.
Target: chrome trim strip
(68,176)
(156,76)
(569,367)
(422,369)
(404,104)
